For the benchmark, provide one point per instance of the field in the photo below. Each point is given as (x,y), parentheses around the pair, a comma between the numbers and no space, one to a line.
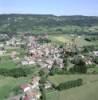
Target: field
(57,79)
(7,63)
(7,84)
(79,40)
(54,95)
(88,91)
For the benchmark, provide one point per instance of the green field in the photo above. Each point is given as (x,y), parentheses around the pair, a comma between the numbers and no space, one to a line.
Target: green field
(6,62)
(80,40)
(54,95)
(7,84)
(8,65)
(88,91)
(57,79)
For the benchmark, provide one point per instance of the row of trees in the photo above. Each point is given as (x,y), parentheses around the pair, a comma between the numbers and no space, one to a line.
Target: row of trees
(69,84)
(42,81)
(55,70)
(17,72)
(91,38)
(90,48)
(44,40)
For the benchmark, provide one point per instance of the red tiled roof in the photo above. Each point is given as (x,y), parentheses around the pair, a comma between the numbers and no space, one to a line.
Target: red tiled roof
(26,98)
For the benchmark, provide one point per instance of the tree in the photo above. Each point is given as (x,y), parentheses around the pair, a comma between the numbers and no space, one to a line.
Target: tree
(65,61)
(43,94)
(41,73)
(42,82)
(23,46)
(96,60)
(80,66)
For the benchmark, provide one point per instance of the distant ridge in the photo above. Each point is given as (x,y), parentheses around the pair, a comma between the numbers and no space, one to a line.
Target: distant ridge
(45,22)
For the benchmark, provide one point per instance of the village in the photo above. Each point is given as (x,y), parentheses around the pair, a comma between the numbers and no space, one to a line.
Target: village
(46,55)
(48,49)
(43,55)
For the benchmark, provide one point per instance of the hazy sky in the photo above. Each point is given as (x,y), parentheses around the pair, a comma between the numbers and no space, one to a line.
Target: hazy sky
(57,7)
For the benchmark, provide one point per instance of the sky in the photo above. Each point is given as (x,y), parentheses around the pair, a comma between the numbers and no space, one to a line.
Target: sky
(55,7)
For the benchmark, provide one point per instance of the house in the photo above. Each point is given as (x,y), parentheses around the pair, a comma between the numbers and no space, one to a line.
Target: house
(1,45)
(32,95)
(82,56)
(35,82)
(12,41)
(88,62)
(31,62)
(13,54)
(25,87)
(47,85)
(95,53)
(2,52)
(26,97)
(59,62)
(28,61)
(35,79)
(24,62)
(16,59)
(79,36)
(31,91)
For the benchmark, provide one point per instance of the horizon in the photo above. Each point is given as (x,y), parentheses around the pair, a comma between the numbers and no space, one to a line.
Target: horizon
(50,7)
(45,14)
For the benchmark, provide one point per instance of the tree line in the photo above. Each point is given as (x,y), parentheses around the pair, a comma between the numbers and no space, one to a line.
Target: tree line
(16,72)
(69,84)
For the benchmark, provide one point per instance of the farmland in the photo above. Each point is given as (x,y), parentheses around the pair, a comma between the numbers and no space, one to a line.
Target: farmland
(10,83)
(86,78)
(80,40)
(86,92)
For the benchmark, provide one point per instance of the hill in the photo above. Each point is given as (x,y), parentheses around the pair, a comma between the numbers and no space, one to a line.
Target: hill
(48,23)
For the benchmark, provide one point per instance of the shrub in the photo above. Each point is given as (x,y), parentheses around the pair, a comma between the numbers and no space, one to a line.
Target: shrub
(88,39)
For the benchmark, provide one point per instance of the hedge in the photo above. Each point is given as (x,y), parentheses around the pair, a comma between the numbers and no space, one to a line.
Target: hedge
(69,84)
